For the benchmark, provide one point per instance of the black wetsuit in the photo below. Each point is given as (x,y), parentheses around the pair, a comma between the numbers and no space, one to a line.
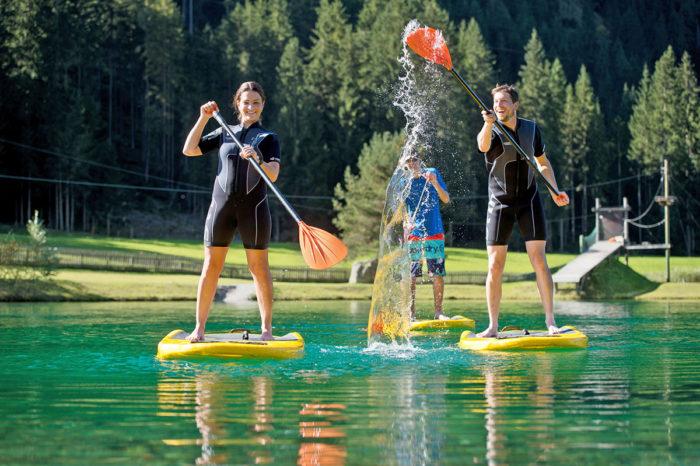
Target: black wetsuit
(239,198)
(513,191)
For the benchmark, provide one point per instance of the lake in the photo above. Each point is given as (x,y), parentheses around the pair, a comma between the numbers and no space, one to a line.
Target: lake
(80,384)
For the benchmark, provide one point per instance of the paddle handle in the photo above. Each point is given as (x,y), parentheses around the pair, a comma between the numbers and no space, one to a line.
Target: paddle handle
(507,133)
(217,116)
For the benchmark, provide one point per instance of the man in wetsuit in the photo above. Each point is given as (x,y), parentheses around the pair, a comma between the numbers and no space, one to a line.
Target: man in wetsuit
(423,226)
(513,196)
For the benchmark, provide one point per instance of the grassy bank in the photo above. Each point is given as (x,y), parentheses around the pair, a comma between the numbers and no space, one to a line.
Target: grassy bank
(84,285)
(611,280)
(288,255)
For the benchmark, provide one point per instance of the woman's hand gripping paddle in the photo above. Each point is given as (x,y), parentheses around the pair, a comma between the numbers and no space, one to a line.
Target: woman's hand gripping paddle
(320,249)
(429,44)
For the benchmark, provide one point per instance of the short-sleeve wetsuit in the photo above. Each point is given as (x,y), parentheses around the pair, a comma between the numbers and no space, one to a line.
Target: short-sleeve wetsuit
(513,193)
(239,197)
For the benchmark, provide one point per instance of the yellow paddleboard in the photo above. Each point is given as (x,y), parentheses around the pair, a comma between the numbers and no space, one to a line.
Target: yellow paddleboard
(237,344)
(454,322)
(514,338)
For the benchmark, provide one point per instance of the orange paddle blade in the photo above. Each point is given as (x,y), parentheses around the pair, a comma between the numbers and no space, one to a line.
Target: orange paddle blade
(429,44)
(320,249)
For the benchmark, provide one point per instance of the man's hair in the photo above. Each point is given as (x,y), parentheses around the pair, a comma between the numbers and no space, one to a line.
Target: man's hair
(507,88)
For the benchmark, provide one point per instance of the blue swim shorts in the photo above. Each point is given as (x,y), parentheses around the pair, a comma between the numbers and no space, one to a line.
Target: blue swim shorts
(434,252)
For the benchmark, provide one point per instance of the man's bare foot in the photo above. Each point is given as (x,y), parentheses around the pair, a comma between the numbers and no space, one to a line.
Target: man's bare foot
(488,333)
(266,335)
(553,328)
(441,316)
(195,336)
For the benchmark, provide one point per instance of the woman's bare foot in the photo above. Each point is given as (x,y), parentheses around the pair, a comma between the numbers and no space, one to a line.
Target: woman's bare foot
(266,335)
(441,316)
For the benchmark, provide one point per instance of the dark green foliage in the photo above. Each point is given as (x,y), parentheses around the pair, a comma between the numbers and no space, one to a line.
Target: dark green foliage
(360,199)
(119,84)
(23,265)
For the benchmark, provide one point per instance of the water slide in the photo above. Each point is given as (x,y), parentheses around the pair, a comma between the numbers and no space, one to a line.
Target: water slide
(576,270)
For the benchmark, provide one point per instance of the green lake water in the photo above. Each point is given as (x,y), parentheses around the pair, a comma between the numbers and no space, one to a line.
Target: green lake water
(79,384)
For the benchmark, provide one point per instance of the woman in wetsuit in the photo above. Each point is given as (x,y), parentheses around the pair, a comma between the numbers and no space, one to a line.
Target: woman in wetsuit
(239,200)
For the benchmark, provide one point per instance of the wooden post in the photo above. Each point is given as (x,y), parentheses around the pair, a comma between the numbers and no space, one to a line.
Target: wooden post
(667,223)
(626,231)
(597,220)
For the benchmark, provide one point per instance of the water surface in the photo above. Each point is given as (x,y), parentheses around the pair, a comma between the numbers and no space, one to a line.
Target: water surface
(80,384)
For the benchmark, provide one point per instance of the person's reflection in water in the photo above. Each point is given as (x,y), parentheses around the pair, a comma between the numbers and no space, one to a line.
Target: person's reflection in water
(209,398)
(543,400)
(212,412)
(211,406)
(262,398)
(508,392)
(319,421)
(413,420)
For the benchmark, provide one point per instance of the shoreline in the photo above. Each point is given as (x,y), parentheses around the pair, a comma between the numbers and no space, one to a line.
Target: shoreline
(92,286)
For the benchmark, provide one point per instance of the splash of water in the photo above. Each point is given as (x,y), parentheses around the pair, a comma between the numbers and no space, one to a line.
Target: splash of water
(391,294)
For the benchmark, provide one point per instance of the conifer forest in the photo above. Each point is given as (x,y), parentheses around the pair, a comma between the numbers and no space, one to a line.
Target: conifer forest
(98,97)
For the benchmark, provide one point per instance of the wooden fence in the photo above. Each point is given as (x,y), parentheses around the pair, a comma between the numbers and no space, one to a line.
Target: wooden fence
(159,263)
(145,262)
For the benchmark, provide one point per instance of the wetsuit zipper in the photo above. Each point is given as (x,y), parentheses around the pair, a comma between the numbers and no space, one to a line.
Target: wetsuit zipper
(238,160)
(517,164)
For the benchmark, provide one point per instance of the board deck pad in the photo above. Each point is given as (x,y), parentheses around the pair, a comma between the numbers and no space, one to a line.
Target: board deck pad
(437,324)
(521,339)
(525,333)
(236,336)
(236,344)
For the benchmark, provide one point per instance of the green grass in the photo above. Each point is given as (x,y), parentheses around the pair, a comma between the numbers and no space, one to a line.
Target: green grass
(280,254)
(683,268)
(89,285)
(612,280)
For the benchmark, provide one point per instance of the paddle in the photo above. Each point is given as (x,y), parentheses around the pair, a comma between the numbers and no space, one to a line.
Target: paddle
(429,44)
(320,249)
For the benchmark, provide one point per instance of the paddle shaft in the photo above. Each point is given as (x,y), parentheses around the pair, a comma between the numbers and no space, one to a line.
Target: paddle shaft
(504,131)
(420,199)
(217,116)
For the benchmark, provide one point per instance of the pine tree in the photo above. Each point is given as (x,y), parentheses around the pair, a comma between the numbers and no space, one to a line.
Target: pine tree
(466,175)
(473,57)
(23,36)
(533,86)
(554,110)
(330,142)
(360,202)
(377,44)
(162,52)
(659,126)
(690,109)
(293,110)
(253,38)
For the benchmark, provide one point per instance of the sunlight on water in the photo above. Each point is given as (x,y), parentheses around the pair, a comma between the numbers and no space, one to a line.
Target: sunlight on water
(393,350)
(81,385)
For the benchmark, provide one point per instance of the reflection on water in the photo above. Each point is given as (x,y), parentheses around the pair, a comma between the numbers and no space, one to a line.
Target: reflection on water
(500,394)
(207,398)
(322,434)
(80,384)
